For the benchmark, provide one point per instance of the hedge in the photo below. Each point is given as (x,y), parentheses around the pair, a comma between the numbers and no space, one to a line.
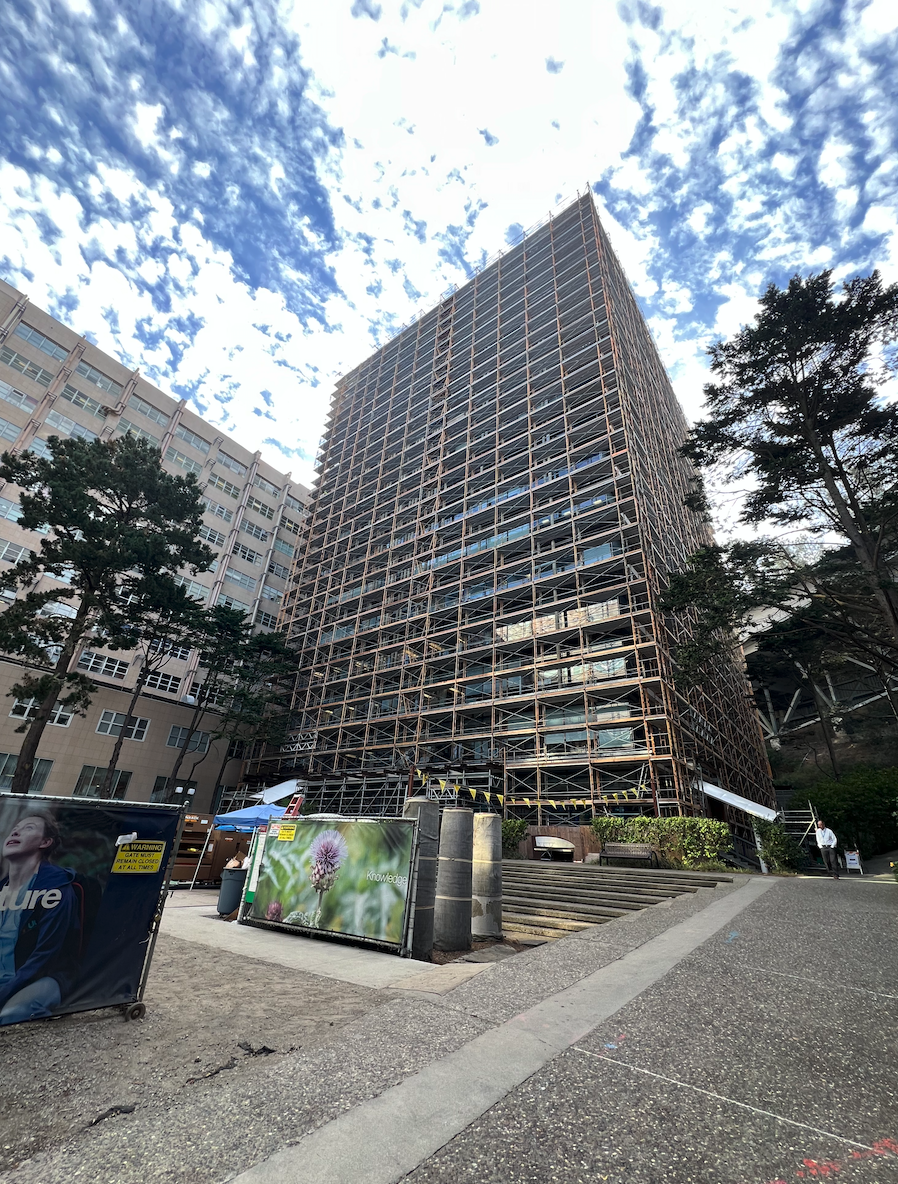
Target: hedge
(685,842)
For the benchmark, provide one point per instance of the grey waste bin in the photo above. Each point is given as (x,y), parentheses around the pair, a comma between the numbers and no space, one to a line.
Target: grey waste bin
(232,881)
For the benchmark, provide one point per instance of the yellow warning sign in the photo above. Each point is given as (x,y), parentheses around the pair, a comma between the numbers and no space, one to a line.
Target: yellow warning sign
(140,858)
(287,832)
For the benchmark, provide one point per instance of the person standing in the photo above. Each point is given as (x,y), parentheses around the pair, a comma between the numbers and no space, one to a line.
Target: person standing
(826,841)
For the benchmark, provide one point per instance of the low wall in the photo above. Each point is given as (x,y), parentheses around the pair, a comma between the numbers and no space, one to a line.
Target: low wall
(581,836)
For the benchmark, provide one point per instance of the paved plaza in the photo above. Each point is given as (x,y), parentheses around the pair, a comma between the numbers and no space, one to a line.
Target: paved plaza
(742,1034)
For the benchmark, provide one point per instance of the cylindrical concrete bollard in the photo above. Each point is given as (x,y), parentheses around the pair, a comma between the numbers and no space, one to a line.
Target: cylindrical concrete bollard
(428,815)
(486,881)
(452,910)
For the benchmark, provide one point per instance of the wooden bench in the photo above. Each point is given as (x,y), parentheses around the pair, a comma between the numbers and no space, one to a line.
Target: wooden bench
(629,851)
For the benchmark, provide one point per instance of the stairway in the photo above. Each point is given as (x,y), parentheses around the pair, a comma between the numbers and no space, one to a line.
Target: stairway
(548,900)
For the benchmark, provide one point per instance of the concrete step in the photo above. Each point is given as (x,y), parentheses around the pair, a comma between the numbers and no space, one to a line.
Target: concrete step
(671,886)
(561,909)
(613,899)
(575,888)
(542,927)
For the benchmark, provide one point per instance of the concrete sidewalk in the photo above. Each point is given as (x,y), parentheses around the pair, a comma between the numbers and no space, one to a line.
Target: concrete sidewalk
(744,1035)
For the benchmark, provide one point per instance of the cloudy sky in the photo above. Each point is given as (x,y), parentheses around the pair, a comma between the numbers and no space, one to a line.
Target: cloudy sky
(245,198)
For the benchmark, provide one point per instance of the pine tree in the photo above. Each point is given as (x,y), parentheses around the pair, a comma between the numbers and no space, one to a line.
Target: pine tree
(111,514)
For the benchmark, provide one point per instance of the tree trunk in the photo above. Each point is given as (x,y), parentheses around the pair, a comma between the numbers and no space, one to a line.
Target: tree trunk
(21,779)
(105,790)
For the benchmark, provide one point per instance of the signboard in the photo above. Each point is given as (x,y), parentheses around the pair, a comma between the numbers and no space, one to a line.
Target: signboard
(348,876)
(853,860)
(80,884)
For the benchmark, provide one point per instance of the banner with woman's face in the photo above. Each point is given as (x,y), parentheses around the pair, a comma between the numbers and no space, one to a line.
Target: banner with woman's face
(80,884)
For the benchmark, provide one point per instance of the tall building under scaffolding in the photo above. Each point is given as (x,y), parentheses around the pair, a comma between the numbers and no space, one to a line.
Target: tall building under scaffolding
(500,499)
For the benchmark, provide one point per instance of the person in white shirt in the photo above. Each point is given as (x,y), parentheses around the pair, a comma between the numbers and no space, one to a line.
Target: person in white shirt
(826,841)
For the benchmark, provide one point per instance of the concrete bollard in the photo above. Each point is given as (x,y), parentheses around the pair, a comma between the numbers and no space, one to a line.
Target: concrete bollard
(486,880)
(452,911)
(428,816)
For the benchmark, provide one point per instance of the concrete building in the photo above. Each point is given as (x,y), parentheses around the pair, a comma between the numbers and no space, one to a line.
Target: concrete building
(500,500)
(53,382)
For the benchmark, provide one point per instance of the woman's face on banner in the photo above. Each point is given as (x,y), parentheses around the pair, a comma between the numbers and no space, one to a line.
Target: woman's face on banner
(26,838)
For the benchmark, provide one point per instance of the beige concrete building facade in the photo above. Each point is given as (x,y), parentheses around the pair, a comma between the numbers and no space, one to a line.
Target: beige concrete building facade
(55,383)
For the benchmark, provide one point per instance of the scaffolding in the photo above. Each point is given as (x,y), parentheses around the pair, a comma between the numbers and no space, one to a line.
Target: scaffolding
(500,499)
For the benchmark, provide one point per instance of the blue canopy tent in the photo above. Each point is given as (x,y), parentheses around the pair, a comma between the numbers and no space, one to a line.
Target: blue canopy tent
(249,819)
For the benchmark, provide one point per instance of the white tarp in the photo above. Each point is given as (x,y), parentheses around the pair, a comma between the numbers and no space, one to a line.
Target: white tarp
(277,793)
(733,799)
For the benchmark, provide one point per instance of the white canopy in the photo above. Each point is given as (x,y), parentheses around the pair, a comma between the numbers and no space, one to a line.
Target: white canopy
(733,799)
(277,793)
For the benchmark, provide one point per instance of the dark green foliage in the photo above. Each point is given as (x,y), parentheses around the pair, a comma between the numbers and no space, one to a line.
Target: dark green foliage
(796,414)
(682,842)
(859,809)
(514,831)
(779,850)
(114,519)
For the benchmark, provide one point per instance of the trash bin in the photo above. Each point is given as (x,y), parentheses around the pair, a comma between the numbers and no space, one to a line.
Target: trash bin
(232,881)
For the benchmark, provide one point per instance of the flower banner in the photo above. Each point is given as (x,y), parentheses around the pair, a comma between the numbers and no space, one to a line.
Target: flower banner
(343,876)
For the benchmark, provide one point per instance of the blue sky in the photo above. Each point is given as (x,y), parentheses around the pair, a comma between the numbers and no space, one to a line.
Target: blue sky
(244,199)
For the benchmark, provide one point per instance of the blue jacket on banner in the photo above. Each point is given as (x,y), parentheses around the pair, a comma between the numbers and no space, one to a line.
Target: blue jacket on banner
(45,919)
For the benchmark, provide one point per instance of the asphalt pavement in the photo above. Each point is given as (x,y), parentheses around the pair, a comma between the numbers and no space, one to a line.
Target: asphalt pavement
(742,1035)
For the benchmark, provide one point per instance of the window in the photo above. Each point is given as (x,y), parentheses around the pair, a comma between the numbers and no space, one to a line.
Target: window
(11,552)
(199,741)
(91,375)
(215,537)
(232,602)
(40,342)
(214,698)
(68,427)
(91,778)
(192,439)
(9,431)
(111,725)
(166,647)
(284,548)
(10,510)
(160,681)
(229,462)
(17,398)
(40,448)
(54,609)
(289,524)
(266,620)
(26,367)
(27,709)
(85,402)
(269,593)
(253,503)
(218,482)
(265,486)
(159,794)
(293,502)
(191,587)
(239,577)
(148,410)
(126,427)
(278,569)
(218,511)
(254,531)
(102,664)
(184,462)
(8,763)
(247,553)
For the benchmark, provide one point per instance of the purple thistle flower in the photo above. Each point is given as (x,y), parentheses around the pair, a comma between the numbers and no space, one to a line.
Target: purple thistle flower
(328,851)
(275,911)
